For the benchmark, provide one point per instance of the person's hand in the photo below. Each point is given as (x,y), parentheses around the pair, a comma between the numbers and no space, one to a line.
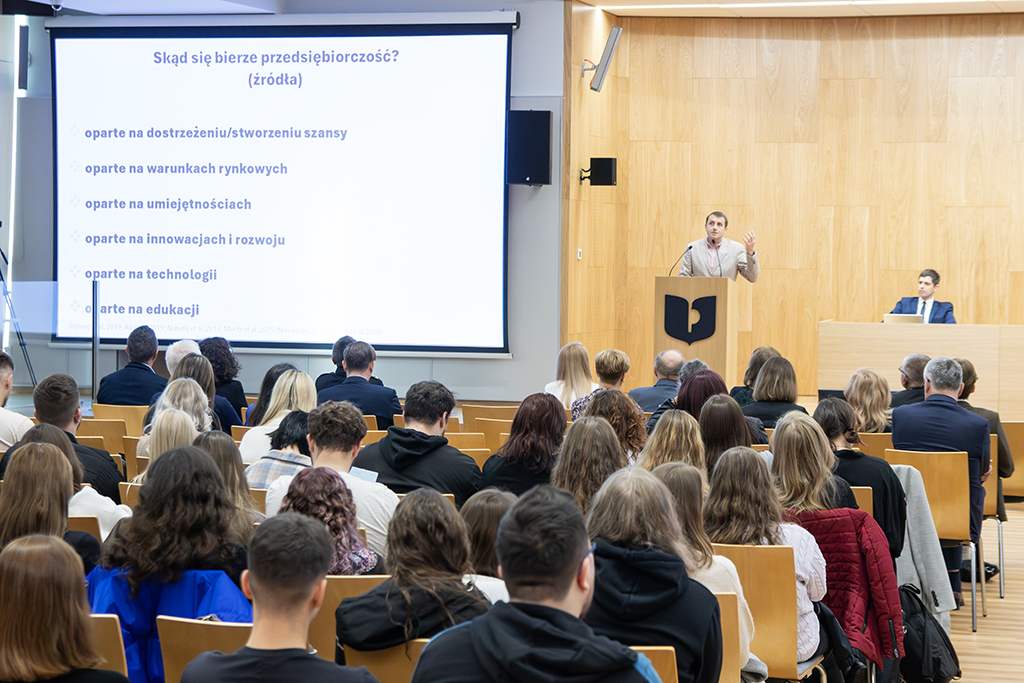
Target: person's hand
(748,243)
(988,474)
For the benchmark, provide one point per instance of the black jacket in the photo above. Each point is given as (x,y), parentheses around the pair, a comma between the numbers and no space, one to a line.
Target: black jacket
(132,385)
(406,460)
(519,642)
(330,379)
(889,500)
(644,597)
(98,468)
(754,425)
(769,412)
(516,477)
(906,397)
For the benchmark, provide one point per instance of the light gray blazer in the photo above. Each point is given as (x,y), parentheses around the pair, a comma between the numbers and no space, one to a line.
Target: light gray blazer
(734,261)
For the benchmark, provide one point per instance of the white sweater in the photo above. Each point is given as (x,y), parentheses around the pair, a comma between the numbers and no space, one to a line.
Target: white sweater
(810,586)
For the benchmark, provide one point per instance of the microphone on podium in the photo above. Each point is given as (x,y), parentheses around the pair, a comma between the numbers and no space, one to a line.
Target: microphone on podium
(679,259)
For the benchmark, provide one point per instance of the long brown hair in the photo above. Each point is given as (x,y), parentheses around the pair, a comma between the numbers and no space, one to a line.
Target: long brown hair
(37,488)
(757,359)
(590,454)
(723,426)
(802,463)
(197,367)
(776,381)
(623,415)
(686,483)
(44,614)
(222,448)
(742,506)
(482,514)
(676,438)
(537,431)
(869,396)
(47,433)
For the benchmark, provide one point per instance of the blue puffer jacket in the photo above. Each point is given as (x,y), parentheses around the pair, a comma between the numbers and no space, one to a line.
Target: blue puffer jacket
(197,594)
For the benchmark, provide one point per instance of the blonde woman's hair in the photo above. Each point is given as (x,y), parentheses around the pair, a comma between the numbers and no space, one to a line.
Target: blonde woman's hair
(171,429)
(776,381)
(589,455)
(294,390)
(676,438)
(869,396)
(687,484)
(186,395)
(574,371)
(611,365)
(802,463)
(634,509)
(742,507)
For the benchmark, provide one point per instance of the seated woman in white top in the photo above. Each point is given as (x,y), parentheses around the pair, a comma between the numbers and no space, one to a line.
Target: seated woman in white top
(574,379)
(294,390)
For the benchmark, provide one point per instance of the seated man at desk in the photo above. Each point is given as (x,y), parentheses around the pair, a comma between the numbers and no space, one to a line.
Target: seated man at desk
(924,303)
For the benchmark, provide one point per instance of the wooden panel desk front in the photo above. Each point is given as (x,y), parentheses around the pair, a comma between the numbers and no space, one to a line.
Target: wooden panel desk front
(997,352)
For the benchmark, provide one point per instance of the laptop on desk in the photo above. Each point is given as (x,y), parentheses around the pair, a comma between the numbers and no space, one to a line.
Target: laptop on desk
(903,318)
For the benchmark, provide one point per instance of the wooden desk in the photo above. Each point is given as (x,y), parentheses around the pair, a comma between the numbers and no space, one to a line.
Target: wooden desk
(997,352)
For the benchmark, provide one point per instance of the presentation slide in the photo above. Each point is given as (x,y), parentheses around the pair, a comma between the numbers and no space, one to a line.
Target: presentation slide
(284,190)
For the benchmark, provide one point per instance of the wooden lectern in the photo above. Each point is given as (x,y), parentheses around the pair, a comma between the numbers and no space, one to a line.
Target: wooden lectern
(698,316)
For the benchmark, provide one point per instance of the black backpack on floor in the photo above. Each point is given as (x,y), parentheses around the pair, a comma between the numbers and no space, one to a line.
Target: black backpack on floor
(930,657)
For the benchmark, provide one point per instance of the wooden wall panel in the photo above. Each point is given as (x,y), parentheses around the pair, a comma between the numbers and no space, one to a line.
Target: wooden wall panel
(860,150)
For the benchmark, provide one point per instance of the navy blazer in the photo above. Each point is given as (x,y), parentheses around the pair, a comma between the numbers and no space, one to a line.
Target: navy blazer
(942,311)
(381,402)
(132,385)
(939,424)
(649,398)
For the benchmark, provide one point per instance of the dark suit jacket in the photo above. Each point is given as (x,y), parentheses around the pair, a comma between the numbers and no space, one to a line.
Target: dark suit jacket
(381,402)
(132,385)
(98,468)
(333,379)
(1004,467)
(939,424)
(907,396)
(942,311)
(649,398)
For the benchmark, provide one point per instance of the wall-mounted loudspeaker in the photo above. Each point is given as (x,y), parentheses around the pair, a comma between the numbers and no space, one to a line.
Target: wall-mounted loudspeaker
(529,148)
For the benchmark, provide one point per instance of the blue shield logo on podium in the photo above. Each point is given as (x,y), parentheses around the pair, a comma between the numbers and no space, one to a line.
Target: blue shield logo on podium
(677,318)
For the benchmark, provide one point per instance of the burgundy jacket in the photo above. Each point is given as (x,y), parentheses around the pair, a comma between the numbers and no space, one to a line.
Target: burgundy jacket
(862,590)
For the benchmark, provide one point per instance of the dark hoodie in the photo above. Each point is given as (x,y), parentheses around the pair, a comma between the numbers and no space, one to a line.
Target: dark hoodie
(644,597)
(524,643)
(406,460)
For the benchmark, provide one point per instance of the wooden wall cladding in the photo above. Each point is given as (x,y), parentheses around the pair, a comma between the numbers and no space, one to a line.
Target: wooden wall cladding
(860,150)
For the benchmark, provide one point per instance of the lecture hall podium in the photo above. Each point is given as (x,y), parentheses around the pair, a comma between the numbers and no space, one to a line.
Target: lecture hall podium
(699,317)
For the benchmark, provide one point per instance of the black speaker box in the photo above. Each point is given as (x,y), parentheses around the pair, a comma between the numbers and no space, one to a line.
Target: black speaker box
(529,148)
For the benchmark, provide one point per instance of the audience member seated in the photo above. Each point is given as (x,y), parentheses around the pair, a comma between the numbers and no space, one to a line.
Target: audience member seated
(294,390)
(526,459)
(667,365)
(868,394)
(289,559)
(642,592)
(320,493)
(288,455)
(1004,461)
(723,426)
(58,403)
(331,379)
(171,429)
(573,375)
(545,557)
(745,394)
(175,556)
(178,350)
(86,501)
(379,401)
(12,425)
(418,455)
(224,452)
(839,423)
(37,488)
(133,384)
(676,438)
(612,366)
(939,424)
(225,365)
(775,393)
(912,379)
(428,556)
(802,467)
(716,573)
(257,410)
(482,514)
(694,391)
(336,431)
(182,394)
(590,454)
(624,416)
(46,634)
(690,367)
(197,367)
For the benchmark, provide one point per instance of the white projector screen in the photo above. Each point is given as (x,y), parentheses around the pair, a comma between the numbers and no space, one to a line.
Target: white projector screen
(283,186)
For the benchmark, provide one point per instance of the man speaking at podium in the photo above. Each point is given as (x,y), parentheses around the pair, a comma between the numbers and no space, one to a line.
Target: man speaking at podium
(716,256)
(924,304)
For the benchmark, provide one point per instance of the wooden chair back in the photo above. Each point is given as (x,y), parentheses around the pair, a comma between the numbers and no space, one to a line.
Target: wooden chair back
(453,425)
(450,497)
(991,486)
(88,524)
(480,455)
(371,421)
(323,632)
(493,429)
(133,416)
(118,462)
(865,498)
(768,576)
(502,438)
(463,440)
(182,640)
(947,486)
(769,431)
(1014,485)
(143,462)
(471,412)
(394,664)
(131,446)
(260,496)
(875,444)
(238,431)
(373,436)
(398,420)
(129,493)
(760,447)
(729,606)
(106,631)
(112,431)
(663,657)
(91,441)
